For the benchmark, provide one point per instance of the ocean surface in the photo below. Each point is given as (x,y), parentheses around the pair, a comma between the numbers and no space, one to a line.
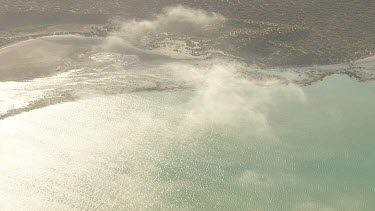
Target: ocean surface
(151,119)
(239,147)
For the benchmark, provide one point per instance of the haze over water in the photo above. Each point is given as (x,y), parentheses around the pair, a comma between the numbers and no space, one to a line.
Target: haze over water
(121,127)
(162,150)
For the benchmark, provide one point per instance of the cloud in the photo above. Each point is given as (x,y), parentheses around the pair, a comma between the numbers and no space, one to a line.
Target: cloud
(177,19)
(223,97)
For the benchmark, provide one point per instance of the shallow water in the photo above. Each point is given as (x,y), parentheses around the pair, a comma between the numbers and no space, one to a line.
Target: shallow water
(145,119)
(237,147)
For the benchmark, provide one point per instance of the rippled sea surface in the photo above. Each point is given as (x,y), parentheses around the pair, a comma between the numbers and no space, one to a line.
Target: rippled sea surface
(183,150)
(114,124)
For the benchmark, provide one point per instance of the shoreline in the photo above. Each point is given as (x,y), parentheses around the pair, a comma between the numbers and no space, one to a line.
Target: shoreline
(362,69)
(97,32)
(369,60)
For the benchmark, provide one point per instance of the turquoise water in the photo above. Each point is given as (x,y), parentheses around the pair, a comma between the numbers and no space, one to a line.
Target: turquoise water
(242,147)
(331,141)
